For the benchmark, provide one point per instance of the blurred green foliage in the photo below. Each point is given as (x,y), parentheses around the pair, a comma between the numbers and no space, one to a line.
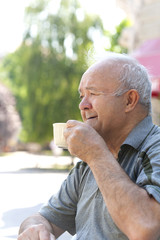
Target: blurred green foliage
(114,38)
(44,72)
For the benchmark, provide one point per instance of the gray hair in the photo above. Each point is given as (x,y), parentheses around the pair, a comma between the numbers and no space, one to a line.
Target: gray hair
(133,75)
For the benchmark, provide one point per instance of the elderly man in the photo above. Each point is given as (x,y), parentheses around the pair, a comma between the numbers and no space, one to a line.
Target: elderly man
(114,192)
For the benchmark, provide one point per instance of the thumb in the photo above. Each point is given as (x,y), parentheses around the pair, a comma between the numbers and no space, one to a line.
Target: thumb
(52,237)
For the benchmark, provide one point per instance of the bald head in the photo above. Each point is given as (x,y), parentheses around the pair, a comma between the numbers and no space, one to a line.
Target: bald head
(128,73)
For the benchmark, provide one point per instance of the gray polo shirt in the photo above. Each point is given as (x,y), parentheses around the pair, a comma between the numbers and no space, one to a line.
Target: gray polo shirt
(79,208)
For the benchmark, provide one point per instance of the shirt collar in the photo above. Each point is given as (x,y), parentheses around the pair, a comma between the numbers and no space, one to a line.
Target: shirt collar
(139,133)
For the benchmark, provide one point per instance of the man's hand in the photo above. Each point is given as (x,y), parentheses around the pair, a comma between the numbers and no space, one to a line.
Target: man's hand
(36,227)
(36,232)
(83,140)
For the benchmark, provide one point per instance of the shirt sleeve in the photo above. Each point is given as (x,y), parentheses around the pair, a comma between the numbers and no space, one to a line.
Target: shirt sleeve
(149,177)
(61,207)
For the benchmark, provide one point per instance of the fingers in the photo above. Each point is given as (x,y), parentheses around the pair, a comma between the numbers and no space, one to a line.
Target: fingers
(38,232)
(72,127)
(72,123)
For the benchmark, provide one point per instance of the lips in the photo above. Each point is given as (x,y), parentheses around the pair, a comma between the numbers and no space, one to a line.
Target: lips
(88,117)
(91,117)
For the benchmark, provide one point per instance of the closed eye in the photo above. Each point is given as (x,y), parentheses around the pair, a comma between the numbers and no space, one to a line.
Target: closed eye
(94,93)
(81,97)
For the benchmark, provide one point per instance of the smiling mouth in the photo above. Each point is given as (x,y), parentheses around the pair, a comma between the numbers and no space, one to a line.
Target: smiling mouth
(91,118)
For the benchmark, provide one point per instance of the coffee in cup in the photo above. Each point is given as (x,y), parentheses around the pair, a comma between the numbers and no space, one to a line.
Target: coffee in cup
(59,139)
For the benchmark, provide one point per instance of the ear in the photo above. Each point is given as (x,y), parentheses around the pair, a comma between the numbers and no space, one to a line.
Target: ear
(132,97)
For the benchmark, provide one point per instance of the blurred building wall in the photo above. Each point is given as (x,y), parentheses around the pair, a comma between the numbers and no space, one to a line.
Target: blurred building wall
(145,16)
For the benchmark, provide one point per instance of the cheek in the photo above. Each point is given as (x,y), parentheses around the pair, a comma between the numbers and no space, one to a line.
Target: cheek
(82,115)
(102,108)
(107,111)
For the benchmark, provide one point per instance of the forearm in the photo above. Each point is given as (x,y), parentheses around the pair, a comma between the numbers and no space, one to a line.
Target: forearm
(129,205)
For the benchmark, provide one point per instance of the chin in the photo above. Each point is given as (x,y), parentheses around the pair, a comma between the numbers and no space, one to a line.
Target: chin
(95,127)
(91,123)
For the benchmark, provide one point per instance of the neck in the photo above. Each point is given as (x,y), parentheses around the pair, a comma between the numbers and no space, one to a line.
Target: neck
(114,144)
(116,139)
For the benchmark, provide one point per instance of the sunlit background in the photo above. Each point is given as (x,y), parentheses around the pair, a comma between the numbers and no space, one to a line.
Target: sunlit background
(12,19)
(45,46)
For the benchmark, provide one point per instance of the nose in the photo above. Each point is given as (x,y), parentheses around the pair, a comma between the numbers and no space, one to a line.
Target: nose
(85,104)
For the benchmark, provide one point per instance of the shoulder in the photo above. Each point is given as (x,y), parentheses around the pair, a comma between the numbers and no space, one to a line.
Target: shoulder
(153,139)
(150,148)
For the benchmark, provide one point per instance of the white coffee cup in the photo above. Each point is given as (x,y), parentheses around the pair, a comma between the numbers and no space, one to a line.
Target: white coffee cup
(59,139)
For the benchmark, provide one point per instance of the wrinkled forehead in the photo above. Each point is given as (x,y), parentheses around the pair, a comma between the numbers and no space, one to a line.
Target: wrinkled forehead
(101,73)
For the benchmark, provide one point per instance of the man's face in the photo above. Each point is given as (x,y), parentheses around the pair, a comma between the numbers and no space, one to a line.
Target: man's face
(99,107)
